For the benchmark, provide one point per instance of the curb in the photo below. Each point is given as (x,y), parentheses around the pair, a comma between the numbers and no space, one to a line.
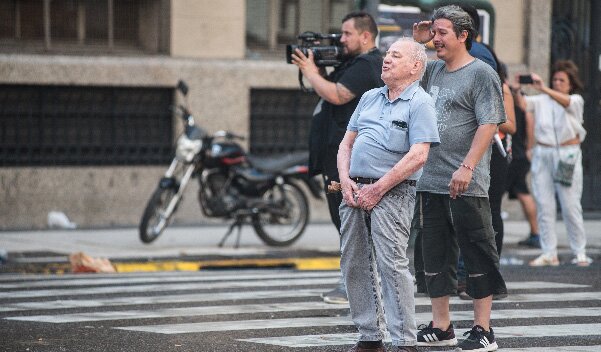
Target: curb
(297,263)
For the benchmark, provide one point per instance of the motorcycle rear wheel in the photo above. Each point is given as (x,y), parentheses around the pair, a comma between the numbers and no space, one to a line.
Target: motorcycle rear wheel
(153,223)
(284,227)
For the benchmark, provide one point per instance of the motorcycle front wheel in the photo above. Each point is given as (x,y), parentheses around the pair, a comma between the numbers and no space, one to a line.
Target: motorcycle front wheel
(154,220)
(286,216)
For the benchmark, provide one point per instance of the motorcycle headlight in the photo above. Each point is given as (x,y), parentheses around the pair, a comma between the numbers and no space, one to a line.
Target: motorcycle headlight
(187,148)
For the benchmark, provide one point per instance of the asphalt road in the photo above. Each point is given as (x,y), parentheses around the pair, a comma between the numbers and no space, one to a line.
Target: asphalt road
(556,309)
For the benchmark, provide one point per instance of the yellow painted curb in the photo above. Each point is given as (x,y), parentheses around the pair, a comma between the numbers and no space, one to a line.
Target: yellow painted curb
(325,263)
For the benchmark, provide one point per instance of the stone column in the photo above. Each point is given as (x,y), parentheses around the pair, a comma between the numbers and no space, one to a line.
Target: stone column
(538,36)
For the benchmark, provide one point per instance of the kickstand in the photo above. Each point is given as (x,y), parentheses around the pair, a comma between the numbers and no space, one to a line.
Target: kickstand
(236,224)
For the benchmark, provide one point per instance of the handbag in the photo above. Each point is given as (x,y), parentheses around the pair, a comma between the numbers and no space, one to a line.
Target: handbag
(564,170)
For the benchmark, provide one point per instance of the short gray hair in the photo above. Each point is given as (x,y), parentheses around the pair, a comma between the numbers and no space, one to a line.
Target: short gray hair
(418,52)
(460,19)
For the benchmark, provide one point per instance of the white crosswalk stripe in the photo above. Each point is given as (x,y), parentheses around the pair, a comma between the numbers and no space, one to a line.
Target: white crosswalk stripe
(283,304)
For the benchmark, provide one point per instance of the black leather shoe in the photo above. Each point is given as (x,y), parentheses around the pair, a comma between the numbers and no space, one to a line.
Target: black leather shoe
(358,348)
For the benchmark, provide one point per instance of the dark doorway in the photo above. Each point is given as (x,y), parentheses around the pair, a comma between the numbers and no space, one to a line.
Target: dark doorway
(576,35)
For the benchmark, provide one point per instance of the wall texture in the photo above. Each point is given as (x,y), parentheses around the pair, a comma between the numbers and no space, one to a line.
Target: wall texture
(208,29)
(201,32)
(109,196)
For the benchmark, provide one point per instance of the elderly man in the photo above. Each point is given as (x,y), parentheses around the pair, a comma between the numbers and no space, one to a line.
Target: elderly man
(340,92)
(379,161)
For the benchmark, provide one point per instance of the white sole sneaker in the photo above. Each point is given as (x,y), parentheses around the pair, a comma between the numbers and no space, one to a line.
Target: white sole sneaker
(451,342)
(492,347)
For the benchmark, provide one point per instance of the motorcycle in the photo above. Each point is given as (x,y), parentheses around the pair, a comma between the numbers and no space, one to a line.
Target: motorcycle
(234,185)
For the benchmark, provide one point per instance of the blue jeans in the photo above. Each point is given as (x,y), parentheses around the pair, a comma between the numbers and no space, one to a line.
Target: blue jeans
(381,234)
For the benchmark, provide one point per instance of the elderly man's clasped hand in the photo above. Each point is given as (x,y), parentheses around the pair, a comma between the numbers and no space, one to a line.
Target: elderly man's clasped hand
(365,197)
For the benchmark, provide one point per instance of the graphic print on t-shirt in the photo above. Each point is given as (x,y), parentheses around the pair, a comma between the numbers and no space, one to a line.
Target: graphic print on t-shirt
(443,99)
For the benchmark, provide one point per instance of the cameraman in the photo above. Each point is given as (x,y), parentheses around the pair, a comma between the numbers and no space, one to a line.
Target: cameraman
(340,92)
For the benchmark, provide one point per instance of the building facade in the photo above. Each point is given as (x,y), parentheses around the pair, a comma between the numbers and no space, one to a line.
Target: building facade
(85,90)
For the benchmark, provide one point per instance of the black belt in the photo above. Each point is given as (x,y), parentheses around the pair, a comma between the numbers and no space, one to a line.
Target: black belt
(369,181)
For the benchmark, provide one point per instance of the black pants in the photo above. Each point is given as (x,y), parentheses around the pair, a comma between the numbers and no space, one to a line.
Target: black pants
(330,173)
(498,176)
(449,224)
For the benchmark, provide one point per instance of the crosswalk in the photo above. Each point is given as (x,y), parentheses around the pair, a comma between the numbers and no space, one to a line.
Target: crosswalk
(279,310)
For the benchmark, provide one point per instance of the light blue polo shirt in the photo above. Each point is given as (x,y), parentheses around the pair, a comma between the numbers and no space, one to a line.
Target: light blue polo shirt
(387,129)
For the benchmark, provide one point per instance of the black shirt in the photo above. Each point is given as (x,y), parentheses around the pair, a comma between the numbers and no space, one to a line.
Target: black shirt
(358,74)
(518,140)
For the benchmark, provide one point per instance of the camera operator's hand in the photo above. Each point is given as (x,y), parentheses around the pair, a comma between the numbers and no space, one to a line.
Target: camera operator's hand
(334,93)
(422,32)
(305,64)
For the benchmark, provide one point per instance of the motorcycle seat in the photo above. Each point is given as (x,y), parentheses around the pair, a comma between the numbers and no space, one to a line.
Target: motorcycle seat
(274,164)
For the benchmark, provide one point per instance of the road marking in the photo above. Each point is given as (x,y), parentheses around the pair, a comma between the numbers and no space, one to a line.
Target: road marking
(233,284)
(500,332)
(332,321)
(180,312)
(163,288)
(46,277)
(137,280)
(271,294)
(187,298)
(240,325)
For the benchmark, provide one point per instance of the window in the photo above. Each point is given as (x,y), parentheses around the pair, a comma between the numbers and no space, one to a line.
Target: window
(272,24)
(70,125)
(67,25)
(280,120)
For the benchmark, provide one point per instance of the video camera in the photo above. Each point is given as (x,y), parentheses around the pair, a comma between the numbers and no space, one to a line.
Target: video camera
(323,55)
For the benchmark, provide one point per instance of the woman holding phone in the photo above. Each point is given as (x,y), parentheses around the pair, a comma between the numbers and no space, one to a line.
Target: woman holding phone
(557,160)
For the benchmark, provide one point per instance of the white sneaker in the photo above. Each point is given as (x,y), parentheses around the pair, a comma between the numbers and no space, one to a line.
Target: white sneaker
(582,260)
(336,296)
(545,260)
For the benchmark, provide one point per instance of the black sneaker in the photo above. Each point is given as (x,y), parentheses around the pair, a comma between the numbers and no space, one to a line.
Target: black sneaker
(478,340)
(429,336)
(532,241)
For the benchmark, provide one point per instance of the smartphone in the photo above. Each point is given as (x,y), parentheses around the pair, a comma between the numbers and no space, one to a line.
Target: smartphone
(526,79)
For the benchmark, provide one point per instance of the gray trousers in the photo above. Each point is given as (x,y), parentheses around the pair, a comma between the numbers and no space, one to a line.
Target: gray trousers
(380,235)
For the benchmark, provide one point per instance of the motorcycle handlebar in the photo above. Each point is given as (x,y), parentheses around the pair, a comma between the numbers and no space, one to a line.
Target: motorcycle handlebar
(179,109)
(228,135)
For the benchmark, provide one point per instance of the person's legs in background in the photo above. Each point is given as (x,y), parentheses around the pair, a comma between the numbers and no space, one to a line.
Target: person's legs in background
(543,189)
(418,260)
(529,209)
(571,211)
(330,173)
(498,174)
(517,188)
(338,294)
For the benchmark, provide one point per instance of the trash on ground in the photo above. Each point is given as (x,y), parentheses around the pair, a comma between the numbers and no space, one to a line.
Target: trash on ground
(59,220)
(83,263)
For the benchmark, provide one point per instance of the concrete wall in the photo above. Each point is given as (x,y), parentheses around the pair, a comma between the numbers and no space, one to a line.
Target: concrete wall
(207,46)
(509,30)
(206,29)
(523,35)
(109,196)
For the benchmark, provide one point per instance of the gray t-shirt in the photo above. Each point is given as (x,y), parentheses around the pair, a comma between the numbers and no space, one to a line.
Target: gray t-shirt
(464,99)
(386,129)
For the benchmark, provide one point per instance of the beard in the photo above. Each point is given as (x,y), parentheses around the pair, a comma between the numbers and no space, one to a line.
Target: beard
(347,54)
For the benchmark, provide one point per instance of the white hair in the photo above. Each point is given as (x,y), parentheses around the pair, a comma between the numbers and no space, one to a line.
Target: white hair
(418,52)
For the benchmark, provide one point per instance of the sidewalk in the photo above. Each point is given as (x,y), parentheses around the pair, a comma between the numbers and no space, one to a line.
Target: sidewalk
(198,244)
